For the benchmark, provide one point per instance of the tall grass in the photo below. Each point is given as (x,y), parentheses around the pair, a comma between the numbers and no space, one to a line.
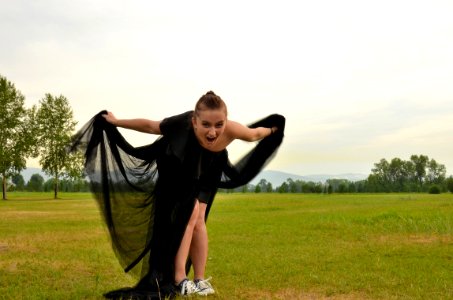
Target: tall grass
(262,246)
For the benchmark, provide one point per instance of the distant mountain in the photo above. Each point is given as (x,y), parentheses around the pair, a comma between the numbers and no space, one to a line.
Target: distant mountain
(274,177)
(277,177)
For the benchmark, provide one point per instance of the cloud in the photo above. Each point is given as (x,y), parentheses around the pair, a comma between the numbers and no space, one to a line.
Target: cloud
(357,80)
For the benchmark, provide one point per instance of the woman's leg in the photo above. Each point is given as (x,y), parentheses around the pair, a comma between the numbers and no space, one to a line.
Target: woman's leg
(199,245)
(183,251)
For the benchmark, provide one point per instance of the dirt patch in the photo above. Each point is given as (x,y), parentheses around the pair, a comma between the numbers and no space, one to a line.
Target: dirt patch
(12,267)
(294,294)
(428,239)
(3,247)
(423,239)
(22,247)
(31,244)
(298,295)
(29,213)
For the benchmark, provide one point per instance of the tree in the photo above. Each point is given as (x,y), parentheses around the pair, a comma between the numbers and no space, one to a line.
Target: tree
(17,131)
(449,182)
(310,187)
(420,164)
(338,185)
(436,172)
(49,185)
(261,186)
(292,185)
(352,187)
(415,175)
(398,174)
(284,188)
(35,184)
(329,189)
(19,182)
(56,125)
(80,185)
(269,187)
(68,185)
(342,187)
(380,175)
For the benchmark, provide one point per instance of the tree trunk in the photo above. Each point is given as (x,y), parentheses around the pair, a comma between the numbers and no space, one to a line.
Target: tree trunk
(4,187)
(55,188)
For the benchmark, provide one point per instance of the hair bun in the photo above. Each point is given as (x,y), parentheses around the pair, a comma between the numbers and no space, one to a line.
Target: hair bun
(210,101)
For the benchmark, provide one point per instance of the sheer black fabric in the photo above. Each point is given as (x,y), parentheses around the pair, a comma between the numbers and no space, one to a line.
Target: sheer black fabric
(147,194)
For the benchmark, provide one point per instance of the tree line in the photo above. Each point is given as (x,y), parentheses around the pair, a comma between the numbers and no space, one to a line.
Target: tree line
(419,174)
(37,183)
(43,131)
(381,180)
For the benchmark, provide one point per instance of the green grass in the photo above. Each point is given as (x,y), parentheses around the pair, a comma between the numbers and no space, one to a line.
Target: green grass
(262,246)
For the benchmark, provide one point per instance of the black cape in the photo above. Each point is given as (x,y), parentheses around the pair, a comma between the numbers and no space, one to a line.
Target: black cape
(146,194)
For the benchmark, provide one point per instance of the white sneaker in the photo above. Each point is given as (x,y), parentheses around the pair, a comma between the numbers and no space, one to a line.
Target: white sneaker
(204,287)
(188,287)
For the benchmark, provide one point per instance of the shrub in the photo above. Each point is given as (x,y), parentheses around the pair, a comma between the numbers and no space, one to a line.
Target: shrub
(434,189)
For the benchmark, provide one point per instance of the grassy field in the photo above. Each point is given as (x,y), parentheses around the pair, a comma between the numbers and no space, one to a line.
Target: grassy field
(262,246)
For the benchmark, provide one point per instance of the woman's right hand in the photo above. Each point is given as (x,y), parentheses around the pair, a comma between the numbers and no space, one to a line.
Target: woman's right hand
(109,117)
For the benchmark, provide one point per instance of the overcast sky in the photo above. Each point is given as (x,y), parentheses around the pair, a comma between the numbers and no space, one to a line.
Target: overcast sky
(357,80)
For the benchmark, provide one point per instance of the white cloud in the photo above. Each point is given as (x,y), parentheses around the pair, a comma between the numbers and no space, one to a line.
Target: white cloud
(356,80)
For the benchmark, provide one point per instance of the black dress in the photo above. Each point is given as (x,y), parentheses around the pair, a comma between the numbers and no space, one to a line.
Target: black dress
(147,194)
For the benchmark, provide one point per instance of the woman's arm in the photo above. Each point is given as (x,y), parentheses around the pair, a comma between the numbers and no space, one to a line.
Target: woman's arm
(238,131)
(142,125)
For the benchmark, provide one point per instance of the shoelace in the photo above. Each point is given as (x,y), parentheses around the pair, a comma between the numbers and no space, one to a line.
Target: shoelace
(189,287)
(204,284)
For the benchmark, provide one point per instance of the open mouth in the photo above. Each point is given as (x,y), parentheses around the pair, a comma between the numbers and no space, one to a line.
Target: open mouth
(210,139)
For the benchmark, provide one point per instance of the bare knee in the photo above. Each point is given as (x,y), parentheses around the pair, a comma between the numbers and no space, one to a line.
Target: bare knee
(194,217)
(200,224)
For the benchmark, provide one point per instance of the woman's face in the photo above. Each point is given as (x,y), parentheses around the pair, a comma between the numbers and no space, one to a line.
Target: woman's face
(209,125)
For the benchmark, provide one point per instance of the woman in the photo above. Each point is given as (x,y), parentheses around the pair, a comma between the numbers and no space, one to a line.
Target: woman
(156,198)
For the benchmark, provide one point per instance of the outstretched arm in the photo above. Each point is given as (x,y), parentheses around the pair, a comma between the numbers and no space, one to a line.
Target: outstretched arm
(142,125)
(238,131)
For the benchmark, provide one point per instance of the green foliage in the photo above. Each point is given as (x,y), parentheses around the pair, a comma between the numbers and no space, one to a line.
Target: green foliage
(416,175)
(449,182)
(434,189)
(68,185)
(329,189)
(284,188)
(398,175)
(269,187)
(339,185)
(35,184)
(263,186)
(419,165)
(19,182)
(17,134)
(56,126)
